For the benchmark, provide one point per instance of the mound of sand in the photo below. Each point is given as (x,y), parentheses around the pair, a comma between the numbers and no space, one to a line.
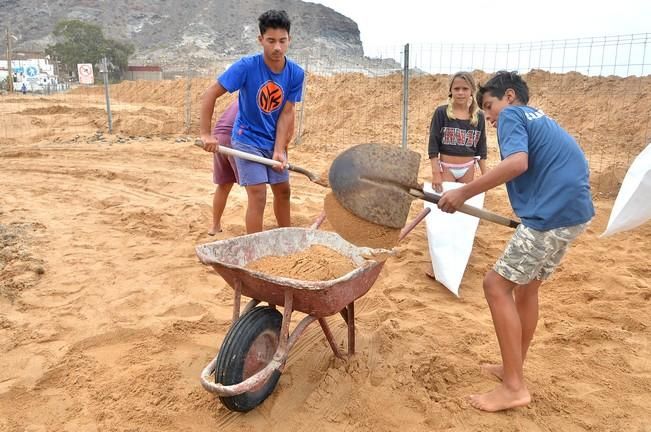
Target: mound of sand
(316,263)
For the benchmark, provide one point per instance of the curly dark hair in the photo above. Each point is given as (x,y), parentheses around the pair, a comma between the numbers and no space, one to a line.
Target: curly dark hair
(502,81)
(275,19)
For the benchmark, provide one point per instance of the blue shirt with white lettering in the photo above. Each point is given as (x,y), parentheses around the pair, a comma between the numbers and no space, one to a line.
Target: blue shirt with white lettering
(262,96)
(554,192)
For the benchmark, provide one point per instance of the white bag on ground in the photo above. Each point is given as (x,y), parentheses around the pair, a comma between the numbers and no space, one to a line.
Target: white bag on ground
(633,204)
(450,237)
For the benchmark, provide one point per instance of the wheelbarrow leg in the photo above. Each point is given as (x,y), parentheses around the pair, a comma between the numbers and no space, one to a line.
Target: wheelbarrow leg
(329,337)
(351,327)
(284,330)
(236,301)
(348,314)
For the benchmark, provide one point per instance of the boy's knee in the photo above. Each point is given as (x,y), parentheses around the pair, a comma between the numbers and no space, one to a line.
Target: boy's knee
(257,194)
(495,286)
(282,191)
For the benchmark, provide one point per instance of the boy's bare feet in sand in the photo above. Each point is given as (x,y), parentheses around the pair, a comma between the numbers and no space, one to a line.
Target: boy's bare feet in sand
(493,369)
(500,398)
(214,230)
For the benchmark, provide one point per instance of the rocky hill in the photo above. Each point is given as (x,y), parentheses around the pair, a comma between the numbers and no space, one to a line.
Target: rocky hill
(188,34)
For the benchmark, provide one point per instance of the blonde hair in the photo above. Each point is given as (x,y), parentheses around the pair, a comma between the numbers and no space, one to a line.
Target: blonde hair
(473,109)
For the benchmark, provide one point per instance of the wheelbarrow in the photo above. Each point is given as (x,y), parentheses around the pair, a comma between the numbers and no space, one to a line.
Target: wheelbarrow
(253,353)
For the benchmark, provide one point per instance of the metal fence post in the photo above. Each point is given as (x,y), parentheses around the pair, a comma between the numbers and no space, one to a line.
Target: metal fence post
(10,75)
(299,134)
(106,94)
(405,96)
(188,101)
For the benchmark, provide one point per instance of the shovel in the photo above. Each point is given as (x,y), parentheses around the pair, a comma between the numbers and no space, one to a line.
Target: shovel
(269,162)
(378,183)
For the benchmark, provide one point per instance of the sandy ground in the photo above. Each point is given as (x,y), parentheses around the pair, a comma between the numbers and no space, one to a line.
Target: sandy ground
(107,317)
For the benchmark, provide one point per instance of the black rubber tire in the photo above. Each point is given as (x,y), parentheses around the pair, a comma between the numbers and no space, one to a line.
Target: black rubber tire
(233,352)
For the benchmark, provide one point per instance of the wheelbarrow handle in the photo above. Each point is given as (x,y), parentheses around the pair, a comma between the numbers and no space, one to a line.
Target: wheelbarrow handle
(467,209)
(237,389)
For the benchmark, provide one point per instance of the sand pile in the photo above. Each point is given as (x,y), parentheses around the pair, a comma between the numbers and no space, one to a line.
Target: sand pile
(316,263)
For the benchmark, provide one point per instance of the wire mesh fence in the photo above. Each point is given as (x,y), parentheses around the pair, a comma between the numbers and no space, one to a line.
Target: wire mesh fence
(621,55)
(597,88)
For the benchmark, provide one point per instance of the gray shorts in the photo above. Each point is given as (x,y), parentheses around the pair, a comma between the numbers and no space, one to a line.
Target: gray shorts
(533,254)
(253,173)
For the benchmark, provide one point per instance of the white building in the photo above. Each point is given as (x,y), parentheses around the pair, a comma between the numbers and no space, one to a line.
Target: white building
(35,73)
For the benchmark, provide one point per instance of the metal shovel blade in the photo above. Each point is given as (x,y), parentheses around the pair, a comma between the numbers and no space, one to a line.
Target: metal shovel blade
(379,182)
(369,181)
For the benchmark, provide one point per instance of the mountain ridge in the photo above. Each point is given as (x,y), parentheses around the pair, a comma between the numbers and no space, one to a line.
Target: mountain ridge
(193,35)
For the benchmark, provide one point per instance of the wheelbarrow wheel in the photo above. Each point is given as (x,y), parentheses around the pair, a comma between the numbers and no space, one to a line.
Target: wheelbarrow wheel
(247,348)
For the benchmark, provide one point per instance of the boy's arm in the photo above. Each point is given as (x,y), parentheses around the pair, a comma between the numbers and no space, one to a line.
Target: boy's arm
(208,99)
(511,167)
(284,130)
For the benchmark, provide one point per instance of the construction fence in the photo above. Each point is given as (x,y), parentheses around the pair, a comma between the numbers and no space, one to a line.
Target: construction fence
(597,88)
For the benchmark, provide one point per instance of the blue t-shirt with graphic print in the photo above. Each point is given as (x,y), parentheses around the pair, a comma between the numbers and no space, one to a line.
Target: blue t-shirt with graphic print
(554,192)
(262,96)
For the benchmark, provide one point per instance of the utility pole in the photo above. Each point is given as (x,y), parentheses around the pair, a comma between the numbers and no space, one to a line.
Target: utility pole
(405,97)
(188,99)
(10,76)
(104,70)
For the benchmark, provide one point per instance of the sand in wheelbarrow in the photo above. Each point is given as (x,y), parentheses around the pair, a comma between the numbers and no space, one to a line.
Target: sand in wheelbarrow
(356,230)
(316,263)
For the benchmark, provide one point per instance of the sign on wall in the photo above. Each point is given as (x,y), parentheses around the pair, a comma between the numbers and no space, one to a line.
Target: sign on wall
(85,72)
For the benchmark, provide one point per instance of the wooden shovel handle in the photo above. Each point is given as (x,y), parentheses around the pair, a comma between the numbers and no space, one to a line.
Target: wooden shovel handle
(259,159)
(467,209)
(242,155)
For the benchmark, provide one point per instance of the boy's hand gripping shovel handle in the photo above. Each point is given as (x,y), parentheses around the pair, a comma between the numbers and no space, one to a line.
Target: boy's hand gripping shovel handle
(259,159)
(243,155)
(467,209)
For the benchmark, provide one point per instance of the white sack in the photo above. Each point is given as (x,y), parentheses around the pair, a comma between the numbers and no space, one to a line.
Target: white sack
(450,237)
(633,204)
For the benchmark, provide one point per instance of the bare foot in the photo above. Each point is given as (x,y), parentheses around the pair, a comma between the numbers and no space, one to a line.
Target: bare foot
(500,398)
(214,230)
(493,369)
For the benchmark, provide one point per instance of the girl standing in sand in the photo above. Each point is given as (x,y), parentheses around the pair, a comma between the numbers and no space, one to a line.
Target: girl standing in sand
(457,139)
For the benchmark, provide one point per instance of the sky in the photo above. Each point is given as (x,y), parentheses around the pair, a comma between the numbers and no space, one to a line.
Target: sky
(385,23)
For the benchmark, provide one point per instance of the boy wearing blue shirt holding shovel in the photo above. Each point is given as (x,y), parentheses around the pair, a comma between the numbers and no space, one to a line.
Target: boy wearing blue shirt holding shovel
(269,86)
(546,176)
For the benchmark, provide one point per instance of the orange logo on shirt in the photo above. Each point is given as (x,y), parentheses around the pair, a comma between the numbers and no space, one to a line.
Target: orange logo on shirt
(270,96)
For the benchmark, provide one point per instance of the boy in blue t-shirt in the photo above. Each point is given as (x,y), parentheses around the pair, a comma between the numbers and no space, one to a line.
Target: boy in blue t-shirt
(546,176)
(269,86)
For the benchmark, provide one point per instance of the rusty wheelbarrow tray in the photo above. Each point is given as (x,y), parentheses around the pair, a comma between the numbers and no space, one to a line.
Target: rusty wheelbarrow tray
(255,349)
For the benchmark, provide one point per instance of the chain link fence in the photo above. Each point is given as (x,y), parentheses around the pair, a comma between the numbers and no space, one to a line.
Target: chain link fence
(597,88)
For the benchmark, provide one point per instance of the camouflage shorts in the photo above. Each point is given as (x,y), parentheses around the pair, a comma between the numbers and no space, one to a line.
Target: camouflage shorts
(533,254)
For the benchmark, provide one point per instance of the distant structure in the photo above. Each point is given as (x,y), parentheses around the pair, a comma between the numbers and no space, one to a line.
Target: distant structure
(147,73)
(34,69)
